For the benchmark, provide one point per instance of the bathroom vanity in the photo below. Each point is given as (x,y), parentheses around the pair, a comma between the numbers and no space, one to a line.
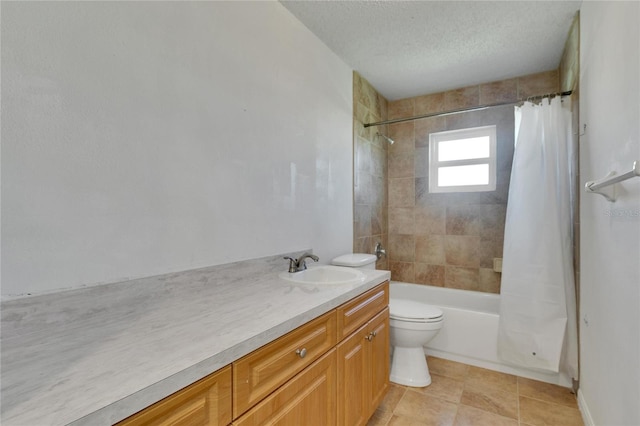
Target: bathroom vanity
(331,370)
(233,344)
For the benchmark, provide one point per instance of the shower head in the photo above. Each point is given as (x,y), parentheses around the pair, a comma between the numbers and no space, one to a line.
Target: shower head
(391,141)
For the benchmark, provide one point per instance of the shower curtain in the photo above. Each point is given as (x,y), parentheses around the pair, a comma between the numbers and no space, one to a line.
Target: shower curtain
(537,327)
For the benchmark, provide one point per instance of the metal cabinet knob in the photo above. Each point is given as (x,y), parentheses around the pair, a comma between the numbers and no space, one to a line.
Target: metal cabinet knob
(302,352)
(371,335)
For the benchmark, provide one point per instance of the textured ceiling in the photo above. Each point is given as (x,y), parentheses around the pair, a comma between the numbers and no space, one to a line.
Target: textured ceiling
(410,48)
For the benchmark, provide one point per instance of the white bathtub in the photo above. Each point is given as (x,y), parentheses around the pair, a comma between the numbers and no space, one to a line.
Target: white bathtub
(470,330)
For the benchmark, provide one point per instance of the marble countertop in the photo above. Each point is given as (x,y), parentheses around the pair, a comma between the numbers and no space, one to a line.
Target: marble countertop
(97,355)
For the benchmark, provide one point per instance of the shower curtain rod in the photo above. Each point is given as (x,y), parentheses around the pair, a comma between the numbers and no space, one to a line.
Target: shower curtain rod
(457,111)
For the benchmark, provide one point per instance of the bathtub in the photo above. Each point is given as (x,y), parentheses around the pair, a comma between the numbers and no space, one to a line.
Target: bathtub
(470,330)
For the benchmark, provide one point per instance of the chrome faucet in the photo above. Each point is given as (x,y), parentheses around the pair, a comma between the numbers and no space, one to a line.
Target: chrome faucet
(297,265)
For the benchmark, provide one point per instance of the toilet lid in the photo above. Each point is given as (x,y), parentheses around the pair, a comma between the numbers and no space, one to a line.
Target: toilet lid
(409,310)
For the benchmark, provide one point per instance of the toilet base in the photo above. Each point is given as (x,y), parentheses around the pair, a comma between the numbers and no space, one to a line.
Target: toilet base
(409,367)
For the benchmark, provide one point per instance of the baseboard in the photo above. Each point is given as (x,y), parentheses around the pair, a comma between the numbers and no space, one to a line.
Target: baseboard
(584,409)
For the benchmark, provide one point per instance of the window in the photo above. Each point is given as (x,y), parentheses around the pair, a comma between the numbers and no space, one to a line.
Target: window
(463,160)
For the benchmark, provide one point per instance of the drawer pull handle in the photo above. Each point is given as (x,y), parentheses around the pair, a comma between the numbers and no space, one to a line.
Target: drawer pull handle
(302,352)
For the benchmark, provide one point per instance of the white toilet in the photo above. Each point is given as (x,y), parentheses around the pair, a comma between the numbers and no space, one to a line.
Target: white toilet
(412,324)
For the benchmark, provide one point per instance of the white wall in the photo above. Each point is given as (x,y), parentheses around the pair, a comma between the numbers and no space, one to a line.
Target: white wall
(140,138)
(610,232)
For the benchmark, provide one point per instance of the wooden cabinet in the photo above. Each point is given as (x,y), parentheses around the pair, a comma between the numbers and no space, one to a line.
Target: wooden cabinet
(205,402)
(262,371)
(363,370)
(333,370)
(308,399)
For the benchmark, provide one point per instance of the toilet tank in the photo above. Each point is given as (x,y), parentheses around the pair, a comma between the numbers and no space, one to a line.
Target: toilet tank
(356,260)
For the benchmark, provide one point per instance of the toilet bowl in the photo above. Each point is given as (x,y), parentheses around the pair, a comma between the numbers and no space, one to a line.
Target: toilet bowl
(411,325)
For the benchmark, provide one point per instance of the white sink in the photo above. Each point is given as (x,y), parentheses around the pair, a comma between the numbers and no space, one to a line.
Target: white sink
(325,274)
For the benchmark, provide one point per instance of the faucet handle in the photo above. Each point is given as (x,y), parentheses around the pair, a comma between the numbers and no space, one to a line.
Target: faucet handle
(380,251)
(292,264)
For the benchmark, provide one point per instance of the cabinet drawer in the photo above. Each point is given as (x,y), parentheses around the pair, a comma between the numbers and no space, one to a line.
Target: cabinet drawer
(361,309)
(207,402)
(308,399)
(265,369)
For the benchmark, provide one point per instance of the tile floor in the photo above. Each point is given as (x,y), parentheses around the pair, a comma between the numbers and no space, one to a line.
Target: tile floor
(463,395)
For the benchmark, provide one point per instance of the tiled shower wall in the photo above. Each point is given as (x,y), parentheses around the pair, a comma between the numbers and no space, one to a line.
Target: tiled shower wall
(446,239)
(370,170)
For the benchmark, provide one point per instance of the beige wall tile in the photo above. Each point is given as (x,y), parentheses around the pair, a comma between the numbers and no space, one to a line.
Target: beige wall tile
(489,249)
(402,108)
(425,126)
(402,192)
(362,223)
(489,280)
(538,84)
(401,248)
(465,219)
(492,218)
(401,164)
(362,245)
(430,249)
(461,278)
(363,188)
(429,274)
(378,219)
(462,98)
(401,220)
(423,198)
(363,156)
(378,161)
(430,220)
(462,250)
(403,136)
(428,104)
(402,271)
(421,162)
(499,91)
(370,168)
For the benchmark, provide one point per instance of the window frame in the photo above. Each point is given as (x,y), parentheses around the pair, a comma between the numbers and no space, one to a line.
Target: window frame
(467,133)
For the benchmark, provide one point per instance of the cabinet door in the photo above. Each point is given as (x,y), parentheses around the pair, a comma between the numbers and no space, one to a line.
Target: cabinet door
(207,402)
(363,371)
(353,378)
(264,370)
(379,347)
(308,399)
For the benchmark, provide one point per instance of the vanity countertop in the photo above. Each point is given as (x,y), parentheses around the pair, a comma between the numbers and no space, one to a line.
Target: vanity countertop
(97,355)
